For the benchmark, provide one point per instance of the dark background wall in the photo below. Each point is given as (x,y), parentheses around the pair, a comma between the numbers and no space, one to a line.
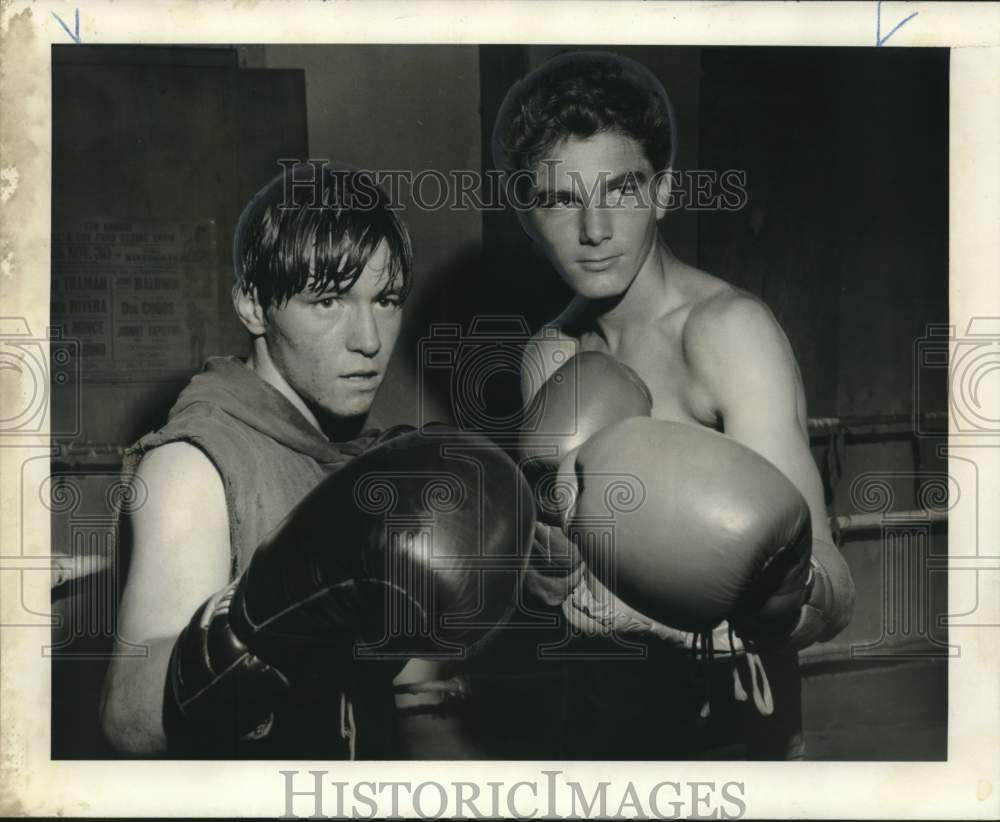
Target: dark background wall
(844,235)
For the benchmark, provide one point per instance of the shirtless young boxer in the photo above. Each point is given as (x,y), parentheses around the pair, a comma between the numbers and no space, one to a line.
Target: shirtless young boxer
(591,137)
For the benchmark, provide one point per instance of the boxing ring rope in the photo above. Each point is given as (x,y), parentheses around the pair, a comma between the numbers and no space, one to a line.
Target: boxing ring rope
(874,522)
(877,424)
(64,567)
(884,426)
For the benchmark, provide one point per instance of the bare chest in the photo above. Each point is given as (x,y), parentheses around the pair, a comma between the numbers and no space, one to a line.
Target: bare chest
(657,355)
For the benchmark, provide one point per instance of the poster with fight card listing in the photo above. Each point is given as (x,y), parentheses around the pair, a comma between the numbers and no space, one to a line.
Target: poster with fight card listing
(137,295)
(834,166)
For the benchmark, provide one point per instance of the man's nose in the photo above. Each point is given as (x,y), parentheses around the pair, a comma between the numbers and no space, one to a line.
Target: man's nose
(595,225)
(364,336)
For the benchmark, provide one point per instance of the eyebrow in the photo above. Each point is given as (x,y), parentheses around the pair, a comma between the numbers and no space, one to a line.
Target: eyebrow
(392,291)
(637,175)
(322,289)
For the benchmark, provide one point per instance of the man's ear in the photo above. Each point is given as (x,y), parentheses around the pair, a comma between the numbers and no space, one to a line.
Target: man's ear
(660,190)
(250,312)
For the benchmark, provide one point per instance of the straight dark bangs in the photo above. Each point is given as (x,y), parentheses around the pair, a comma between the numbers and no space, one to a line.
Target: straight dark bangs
(326,248)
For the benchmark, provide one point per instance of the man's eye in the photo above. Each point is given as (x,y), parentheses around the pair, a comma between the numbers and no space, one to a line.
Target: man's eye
(556,201)
(389,301)
(327,302)
(629,188)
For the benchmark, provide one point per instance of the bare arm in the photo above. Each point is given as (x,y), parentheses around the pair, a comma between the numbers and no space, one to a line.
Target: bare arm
(180,557)
(739,351)
(748,366)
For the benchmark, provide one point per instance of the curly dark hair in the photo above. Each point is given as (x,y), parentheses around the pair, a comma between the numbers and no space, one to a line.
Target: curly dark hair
(316,227)
(580,94)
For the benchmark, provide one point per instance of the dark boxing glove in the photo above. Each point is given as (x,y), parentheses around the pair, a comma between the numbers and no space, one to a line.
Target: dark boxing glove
(413,549)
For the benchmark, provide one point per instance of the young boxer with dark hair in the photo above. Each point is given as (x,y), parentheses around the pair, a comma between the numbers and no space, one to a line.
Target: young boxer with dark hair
(264,578)
(590,138)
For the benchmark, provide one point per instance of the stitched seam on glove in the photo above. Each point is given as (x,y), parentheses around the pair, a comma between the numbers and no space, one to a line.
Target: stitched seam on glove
(216,677)
(322,592)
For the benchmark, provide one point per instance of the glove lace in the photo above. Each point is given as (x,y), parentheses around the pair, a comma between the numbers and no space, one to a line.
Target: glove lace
(759,684)
(703,644)
(703,647)
(347,728)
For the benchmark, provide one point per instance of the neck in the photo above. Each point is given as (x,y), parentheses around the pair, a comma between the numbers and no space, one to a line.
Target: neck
(652,293)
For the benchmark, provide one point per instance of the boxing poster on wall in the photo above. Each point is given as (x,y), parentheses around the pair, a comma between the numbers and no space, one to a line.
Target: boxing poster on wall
(537,410)
(139,296)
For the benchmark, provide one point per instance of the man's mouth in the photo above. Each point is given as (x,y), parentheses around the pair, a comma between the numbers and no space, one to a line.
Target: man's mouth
(360,376)
(598,263)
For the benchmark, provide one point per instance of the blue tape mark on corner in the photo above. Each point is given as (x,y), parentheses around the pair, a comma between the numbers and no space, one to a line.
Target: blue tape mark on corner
(74,34)
(879,39)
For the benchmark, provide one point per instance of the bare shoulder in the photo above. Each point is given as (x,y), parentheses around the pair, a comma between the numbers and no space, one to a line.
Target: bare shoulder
(737,350)
(180,532)
(731,324)
(182,491)
(554,344)
(179,470)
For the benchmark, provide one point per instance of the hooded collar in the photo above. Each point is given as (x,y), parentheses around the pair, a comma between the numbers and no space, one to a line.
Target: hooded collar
(228,384)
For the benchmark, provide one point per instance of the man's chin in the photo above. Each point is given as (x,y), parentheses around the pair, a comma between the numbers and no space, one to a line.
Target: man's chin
(598,289)
(345,408)
(351,411)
